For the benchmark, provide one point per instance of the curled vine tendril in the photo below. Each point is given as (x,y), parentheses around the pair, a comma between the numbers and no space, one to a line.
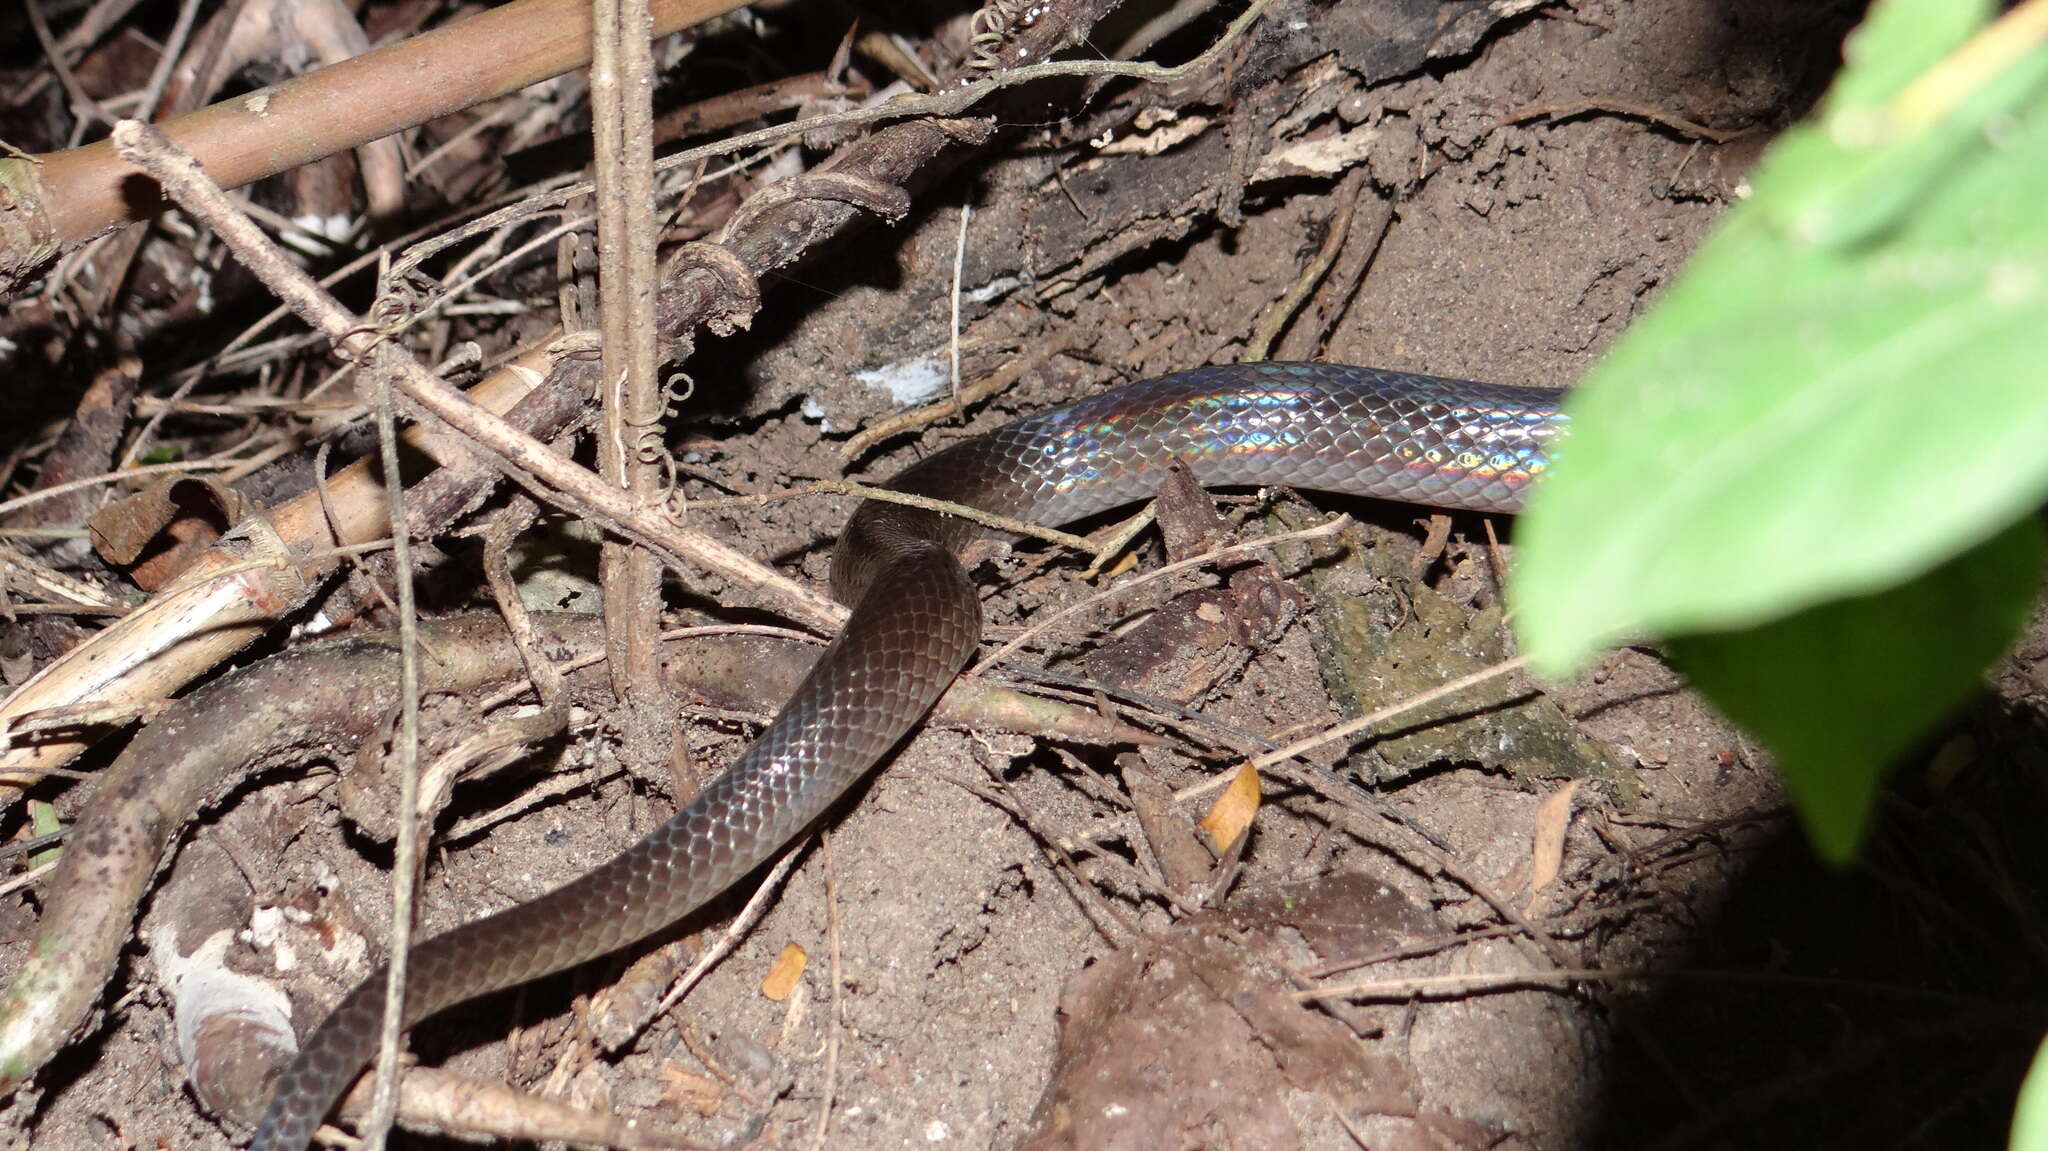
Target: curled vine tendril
(991,26)
(650,445)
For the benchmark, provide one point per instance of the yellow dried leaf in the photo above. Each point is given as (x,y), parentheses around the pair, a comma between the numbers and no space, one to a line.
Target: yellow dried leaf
(1125,562)
(789,967)
(1233,810)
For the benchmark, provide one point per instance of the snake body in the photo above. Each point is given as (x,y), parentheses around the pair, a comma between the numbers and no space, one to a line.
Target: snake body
(916,620)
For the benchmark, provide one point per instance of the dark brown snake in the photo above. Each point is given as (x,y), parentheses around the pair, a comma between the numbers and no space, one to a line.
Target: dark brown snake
(1417,439)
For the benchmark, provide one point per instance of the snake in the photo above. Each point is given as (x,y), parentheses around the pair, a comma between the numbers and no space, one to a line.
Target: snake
(916,621)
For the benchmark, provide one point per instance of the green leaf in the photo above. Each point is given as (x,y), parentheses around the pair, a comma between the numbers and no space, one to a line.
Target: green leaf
(1896,43)
(1837,691)
(1847,387)
(1872,155)
(42,816)
(2030,1121)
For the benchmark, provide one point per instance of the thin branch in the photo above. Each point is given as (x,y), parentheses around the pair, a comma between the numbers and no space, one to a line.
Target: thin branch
(959,268)
(1329,527)
(1455,986)
(347,104)
(1009,372)
(1353,727)
(82,103)
(757,906)
(1663,119)
(1281,313)
(631,452)
(837,1022)
(995,520)
(405,867)
(937,105)
(520,456)
(181,30)
(27,877)
(41,494)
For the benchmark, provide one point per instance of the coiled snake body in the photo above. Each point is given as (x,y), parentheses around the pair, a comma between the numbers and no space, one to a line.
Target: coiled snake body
(1443,443)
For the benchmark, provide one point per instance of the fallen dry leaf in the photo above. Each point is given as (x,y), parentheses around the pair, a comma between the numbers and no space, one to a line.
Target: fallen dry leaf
(789,967)
(1553,817)
(1233,810)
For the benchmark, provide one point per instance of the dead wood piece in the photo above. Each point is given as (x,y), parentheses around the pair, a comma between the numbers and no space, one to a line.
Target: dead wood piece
(319,697)
(70,196)
(1181,650)
(233,1027)
(85,448)
(1189,521)
(752,674)
(25,572)
(173,521)
(248,581)
(1202,638)
(29,239)
(1001,523)
(557,407)
(1435,538)
(1625,108)
(251,577)
(1184,864)
(433,1100)
(733,108)
(632,451)
(619,1012)
(499,534)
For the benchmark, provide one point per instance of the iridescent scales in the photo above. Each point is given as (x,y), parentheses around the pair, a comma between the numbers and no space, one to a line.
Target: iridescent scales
(1448,443)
